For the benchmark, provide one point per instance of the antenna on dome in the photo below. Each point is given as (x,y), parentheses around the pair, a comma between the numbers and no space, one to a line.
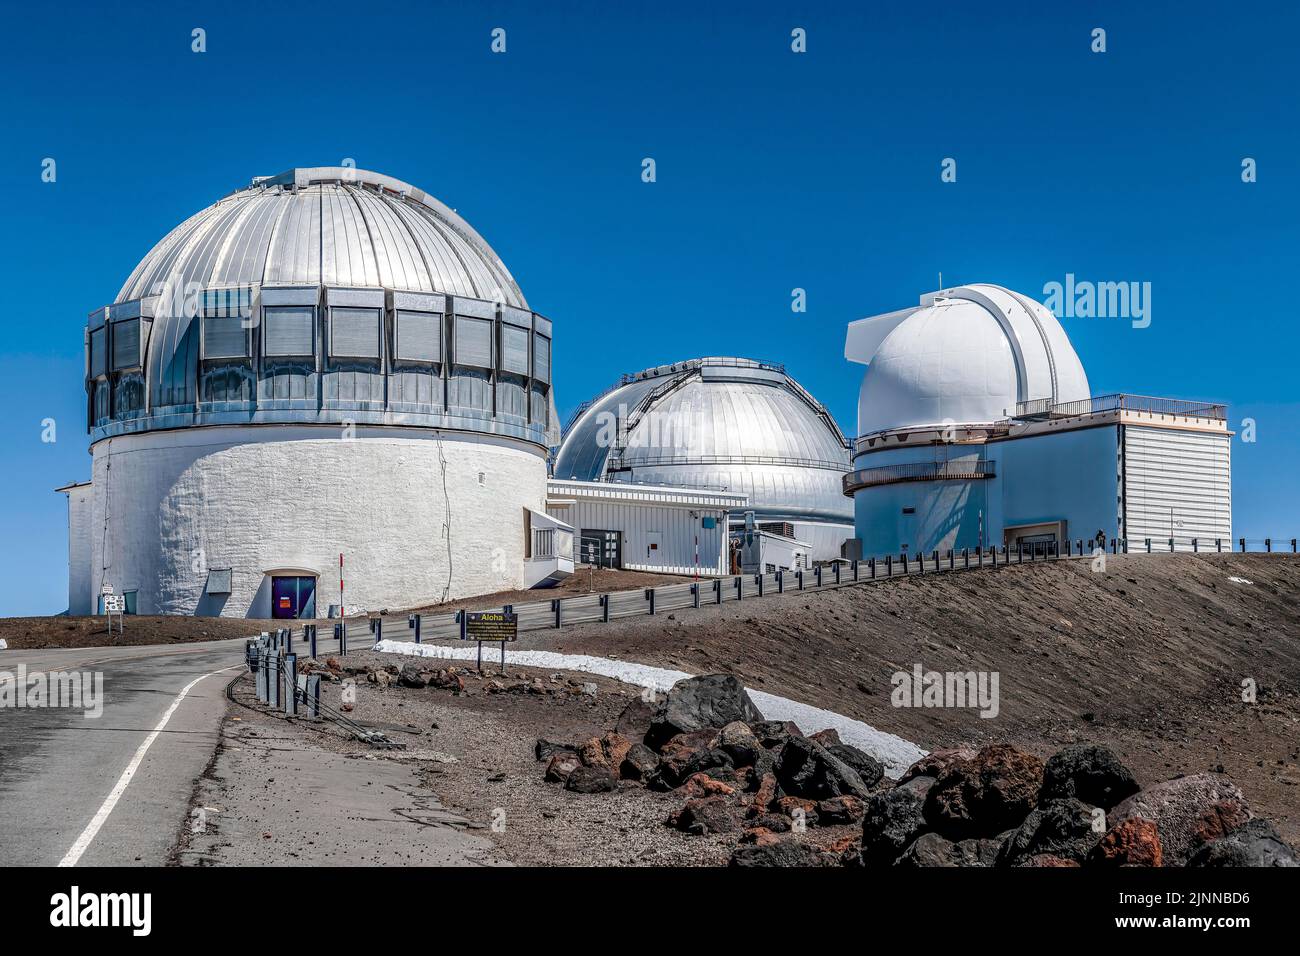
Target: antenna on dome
(940,280)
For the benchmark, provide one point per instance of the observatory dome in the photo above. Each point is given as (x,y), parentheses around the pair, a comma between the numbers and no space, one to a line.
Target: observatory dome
(965,355)
(725,423)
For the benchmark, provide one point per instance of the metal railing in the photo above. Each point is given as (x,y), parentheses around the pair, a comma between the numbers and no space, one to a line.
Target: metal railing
(918,471)
(1122,401)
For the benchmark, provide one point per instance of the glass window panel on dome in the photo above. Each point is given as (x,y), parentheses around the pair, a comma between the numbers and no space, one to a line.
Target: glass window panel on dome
(419,337)
(99,352)
(354,333)
(126,344)
(224,337)
(541,358)
(289,332)
(473,342)
(514,349)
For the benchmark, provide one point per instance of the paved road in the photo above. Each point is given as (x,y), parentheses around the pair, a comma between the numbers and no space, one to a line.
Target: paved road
(60,770)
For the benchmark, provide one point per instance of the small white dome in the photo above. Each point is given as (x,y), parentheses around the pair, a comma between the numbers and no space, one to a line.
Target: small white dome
(949,362)
(966,355)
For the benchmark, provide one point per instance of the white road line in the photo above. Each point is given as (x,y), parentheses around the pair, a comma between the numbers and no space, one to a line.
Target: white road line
(92,828)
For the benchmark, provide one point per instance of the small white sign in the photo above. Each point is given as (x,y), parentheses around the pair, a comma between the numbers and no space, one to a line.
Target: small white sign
(114,604)
(106,589)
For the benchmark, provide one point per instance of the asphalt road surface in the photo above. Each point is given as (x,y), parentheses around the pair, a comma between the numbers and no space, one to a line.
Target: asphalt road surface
(112,789)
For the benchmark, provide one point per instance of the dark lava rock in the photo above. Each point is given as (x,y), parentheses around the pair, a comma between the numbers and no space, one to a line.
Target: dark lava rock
(871,770)
(411,676)
(711,701)
(1063,828)
(807,769)
(590,780)
(837,811)
(986,794)
(774,733)
(635,719)
(544,749)
(790,851)
(641,763)
(714,814)
(893,819)
(1089,773)
(1189,812)
(1255,843)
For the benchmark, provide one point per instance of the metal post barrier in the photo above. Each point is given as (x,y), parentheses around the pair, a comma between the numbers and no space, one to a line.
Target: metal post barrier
(463,620)
(936,559)
(889,566)
(952,559)
(871,565)
(995,557)
(817,575)
(837,572)
(604,604)
(965,557)
(1268,545)
(558,607)
(291,684)
(903,559)
(379,630)
(740,588)
(758,579)
(780,581)
(695,594)
(717,590)
(650,596)
(414,621)
(313,695)
(1243,545)
(1218,545)
(1020,552)
(1148,540)
(288,640)
(261,672)
(1293,551)
(855,570)
(276,680)
(799,577)
(1195,546)
(1171,545)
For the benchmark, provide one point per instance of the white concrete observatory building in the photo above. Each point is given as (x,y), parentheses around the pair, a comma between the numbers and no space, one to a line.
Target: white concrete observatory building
(326,362)
(977,428)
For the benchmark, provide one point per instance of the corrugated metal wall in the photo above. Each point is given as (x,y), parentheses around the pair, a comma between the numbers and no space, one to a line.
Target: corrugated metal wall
(1179,480)
(675,527)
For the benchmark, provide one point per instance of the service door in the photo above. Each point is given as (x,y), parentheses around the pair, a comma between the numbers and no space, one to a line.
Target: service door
(654,549)
(293,597)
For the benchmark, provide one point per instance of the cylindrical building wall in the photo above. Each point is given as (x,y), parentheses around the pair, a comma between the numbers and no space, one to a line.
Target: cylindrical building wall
(418,514)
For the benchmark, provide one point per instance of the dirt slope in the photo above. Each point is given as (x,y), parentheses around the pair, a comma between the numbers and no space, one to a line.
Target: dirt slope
(1147,657)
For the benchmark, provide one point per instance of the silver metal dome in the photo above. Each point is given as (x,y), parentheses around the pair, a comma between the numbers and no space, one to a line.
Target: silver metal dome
(727,423)
(331,226)
(321,295)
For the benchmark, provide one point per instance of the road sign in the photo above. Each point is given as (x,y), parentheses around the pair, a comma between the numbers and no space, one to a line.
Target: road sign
(491,626)
(114,604)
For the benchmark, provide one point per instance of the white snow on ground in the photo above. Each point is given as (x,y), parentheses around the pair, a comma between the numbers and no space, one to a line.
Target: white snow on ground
(895,753)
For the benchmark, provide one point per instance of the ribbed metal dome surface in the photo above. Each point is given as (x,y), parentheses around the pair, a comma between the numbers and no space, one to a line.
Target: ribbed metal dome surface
(715,423)
(333,226)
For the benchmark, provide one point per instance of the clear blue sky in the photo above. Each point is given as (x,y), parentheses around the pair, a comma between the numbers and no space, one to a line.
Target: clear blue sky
(775,171)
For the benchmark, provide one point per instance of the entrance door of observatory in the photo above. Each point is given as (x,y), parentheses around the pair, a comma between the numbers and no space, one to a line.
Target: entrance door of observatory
(293,597)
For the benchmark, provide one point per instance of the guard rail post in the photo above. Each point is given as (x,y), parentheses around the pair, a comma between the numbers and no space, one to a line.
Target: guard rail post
(717,590)
(799,577)
(871,566)
(837,572)
(313,695)
(1243,545)
(695,594)
(463,620)
(604,606)
(817,575)
(758,579)
(557,606)
(1268,545)
(291,684)
(780,581)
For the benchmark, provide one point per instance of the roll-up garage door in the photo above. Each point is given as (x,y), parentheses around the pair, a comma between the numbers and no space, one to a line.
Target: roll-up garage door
(1177,483)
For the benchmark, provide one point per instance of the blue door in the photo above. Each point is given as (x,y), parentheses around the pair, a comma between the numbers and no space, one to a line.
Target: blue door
(293,597)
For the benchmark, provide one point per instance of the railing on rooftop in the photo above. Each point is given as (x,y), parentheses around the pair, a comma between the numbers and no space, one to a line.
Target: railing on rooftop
(918,471)
(1176,407)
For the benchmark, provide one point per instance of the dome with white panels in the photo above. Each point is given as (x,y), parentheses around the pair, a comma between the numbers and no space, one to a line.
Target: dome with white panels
(966,355)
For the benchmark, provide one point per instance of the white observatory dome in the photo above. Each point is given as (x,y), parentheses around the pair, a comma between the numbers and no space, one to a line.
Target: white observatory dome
(966,355)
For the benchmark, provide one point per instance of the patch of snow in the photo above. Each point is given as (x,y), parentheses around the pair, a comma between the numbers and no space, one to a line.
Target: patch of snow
(894,752)
(1236,580)
(4,645)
